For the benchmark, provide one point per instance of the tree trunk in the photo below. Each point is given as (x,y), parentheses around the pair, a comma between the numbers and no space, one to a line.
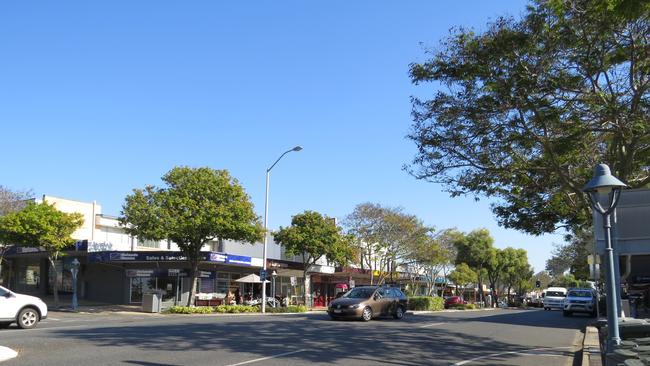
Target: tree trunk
(55,283)
(194,263)
(305,294)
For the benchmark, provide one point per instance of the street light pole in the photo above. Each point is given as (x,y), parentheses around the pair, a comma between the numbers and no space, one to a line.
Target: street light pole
(74,270)
(603,182)
(266,222)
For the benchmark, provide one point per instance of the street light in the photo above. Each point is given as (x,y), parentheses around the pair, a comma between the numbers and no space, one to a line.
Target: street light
(266,222)
(274,274)
(74,269)
(604,183)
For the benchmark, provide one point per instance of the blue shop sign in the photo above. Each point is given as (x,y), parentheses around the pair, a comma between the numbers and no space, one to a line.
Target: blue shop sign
(166,257)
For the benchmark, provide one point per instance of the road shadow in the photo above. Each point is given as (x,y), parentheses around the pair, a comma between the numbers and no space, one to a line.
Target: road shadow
(552,319)
(385,341)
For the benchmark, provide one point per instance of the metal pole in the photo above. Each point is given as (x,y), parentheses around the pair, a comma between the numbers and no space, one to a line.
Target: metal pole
(75,304)
(612,313)
(266,235)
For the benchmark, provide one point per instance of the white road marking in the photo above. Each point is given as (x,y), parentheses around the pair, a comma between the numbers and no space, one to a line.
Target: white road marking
(520,352)
(267,358)
(50,318)
(7,353)
(430,325)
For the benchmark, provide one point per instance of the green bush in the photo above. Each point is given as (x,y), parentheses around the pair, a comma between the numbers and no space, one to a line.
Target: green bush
(426,303)
(287,309)
(463,306)
(190,310)
(236,309)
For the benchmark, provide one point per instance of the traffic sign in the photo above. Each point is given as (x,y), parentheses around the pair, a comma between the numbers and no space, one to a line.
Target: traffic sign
(262,274)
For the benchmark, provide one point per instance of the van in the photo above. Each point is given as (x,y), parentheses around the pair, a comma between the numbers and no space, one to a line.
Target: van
(553,297)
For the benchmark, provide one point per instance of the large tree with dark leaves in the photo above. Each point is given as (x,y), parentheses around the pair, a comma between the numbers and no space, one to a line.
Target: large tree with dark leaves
(524,110)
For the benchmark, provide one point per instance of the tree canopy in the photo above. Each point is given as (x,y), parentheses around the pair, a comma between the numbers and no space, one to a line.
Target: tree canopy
(524,110)
(194,206)
(313,236)
(41,225)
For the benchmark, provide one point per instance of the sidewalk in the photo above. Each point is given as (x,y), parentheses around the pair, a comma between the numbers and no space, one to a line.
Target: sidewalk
(88,307)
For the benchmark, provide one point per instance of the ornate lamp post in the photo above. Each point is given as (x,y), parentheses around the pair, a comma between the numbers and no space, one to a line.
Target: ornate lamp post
(74,269)
(266,223)
(274,274)
(604,183)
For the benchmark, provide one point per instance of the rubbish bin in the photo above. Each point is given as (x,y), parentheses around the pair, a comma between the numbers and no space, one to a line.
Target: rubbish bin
(151,302)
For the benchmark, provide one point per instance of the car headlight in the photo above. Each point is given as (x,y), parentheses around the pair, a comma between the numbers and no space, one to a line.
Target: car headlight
(356,306)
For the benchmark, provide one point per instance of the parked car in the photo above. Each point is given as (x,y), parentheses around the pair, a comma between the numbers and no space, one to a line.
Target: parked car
(553,297)
(454,300)
(580,300)
(24,310)
(368,302)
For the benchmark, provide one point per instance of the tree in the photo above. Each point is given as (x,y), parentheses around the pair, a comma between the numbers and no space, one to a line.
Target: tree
(10,201)
(425,258)
(462,276)
(383,235)
(531,105)
(194,206)
(517,271)
(313,236)
(495,266)
(572,256)
(41,225)
(474,249)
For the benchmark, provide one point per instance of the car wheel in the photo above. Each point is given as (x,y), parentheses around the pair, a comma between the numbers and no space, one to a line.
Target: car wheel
(27,318)
(399,313)
(566,313)
(366,315)
(5,325)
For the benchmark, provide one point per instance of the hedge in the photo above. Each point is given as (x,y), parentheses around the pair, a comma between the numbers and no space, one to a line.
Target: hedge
(233,309)
(426,303)
(463,306)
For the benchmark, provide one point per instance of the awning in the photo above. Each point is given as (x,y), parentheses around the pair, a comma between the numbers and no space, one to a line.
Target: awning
(251,278)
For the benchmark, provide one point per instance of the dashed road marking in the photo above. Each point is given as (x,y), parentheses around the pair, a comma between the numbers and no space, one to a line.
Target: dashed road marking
(267,358)
(523,352)
(7,353)
(430,325)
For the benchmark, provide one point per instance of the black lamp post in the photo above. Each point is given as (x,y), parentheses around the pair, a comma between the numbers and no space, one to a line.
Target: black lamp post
(604,183)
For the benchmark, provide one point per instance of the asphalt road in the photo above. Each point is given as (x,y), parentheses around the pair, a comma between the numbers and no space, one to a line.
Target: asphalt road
(497,337)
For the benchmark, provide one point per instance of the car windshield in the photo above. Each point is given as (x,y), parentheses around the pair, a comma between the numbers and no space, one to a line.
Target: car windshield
(360,293)
(555,293)
(580,293)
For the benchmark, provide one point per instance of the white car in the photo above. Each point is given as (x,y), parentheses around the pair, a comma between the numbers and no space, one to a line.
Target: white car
(24,310)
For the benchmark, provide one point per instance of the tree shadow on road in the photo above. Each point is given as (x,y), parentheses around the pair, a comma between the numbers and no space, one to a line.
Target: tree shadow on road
(324,341)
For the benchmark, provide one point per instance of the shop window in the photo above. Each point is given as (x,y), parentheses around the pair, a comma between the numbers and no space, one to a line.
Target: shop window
(148,243)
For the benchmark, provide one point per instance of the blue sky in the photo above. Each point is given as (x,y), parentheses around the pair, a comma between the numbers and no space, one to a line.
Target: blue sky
(98,98)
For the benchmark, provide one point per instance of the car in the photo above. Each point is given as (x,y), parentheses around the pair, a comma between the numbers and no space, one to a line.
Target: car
(454,300)
(24,310)
(367,302)
(580,300)
(553,298)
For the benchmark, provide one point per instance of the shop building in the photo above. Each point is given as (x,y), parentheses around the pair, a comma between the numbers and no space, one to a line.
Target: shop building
(118,268)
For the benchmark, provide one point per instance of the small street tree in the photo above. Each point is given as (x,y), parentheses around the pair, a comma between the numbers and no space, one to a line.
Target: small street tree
(474,250)
(10,201)
(194,206)
(313,236)
(41,225)
(462,276)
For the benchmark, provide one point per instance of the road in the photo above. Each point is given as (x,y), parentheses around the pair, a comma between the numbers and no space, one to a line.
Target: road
(496,337)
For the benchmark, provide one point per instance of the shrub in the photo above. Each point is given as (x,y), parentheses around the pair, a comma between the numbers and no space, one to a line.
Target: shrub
(287,309)
(426,303)
(190,310)
(236,309)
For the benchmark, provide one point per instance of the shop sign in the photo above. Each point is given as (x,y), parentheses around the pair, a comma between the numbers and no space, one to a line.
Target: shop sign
(139,273)
(238,259)
(217,257)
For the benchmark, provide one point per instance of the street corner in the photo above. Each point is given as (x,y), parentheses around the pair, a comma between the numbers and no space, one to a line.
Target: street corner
(7,353)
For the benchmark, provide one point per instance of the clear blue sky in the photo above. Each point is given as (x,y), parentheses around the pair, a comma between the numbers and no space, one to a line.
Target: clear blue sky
(98,98)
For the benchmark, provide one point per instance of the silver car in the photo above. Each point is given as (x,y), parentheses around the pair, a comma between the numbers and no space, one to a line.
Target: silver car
(580,300)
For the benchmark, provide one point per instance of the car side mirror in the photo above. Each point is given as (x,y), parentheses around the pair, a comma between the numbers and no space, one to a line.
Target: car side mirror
(9,295)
